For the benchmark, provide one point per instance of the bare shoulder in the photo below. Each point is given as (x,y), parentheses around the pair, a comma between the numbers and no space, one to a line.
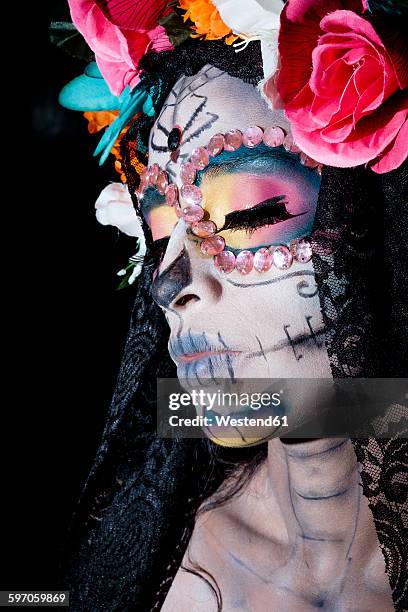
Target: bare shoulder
(190,592)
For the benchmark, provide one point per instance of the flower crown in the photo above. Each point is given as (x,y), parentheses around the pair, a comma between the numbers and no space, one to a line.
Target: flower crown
(339,70)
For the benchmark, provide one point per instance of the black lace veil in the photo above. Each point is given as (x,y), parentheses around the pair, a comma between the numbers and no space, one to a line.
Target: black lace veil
(136,513)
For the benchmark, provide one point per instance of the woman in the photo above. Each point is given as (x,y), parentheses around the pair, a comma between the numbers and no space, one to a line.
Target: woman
(271,525)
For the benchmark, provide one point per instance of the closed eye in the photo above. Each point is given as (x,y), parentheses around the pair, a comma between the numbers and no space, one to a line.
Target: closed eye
(268,212)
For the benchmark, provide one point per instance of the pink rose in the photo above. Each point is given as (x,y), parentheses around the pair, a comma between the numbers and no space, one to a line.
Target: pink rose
(343,86)
(120,38)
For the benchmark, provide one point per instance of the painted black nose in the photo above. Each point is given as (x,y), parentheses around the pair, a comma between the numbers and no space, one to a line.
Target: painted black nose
(176,277)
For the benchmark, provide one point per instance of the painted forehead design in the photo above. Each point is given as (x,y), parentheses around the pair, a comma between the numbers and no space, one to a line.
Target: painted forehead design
(199,106)
(187,202)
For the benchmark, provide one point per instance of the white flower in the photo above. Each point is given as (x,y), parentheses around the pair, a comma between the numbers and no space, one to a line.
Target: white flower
(255,20)
(114,207)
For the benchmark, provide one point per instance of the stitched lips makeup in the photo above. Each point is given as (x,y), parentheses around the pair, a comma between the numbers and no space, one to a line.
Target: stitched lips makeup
(201,355)
(252,206)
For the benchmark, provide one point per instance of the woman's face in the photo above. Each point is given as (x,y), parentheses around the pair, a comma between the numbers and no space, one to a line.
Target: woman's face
(259,325)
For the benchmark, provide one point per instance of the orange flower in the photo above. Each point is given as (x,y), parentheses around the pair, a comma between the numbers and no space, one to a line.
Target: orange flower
(207,20)
(100,119)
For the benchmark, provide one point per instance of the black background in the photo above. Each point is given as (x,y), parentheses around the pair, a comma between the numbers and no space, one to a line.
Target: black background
(71,322)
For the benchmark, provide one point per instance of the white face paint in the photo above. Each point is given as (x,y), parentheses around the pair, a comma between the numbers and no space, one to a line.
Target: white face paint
(264,325)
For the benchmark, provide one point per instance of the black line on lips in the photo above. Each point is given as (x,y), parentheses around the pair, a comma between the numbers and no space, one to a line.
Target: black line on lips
(262,350)
(228,359)
(192,341)
(178,315)
(196,375)
(292,344)
(271,281)
(210,363)
(230,369)
(321,497)
(312,333)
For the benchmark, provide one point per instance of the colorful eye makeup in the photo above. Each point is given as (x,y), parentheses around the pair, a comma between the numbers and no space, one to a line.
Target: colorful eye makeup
(250,208)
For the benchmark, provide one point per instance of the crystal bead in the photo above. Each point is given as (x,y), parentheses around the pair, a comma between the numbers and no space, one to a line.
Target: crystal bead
(273,136)
(212,245)
(301,250)
(281,257)
(187,173)
(244,262)
(204,229)
(199,158)
(191,194)
(171,194)
(193,213)
(153,174)
(262,260)
(252,136)
(307,161)
(216,145)
(144,182)
(225,261)
(290,145)
(162,182)
(233,140)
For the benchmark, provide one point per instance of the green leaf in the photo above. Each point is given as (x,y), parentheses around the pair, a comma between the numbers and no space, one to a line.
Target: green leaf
(176,29)
(65,35)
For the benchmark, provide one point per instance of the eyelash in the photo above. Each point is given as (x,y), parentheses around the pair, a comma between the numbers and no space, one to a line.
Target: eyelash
(268,212)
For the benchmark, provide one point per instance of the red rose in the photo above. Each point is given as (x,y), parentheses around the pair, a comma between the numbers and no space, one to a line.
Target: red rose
(343,86)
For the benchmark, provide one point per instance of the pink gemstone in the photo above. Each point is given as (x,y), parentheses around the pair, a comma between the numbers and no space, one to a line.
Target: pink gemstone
(204,229)
(212,245)
(144,183)
(162,182)
(193,213)
(199,158)
(308,161)
(273,136)
(281,257)
(171,194)
(252,136)
(290,145)
(233,140)
(216,145)
(262,260)
(244,262)
(191,194)
(187,173)
(301,250)
(225,261)
(153,174)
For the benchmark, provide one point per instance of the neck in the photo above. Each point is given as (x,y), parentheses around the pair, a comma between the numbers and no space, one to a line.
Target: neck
(314,487)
